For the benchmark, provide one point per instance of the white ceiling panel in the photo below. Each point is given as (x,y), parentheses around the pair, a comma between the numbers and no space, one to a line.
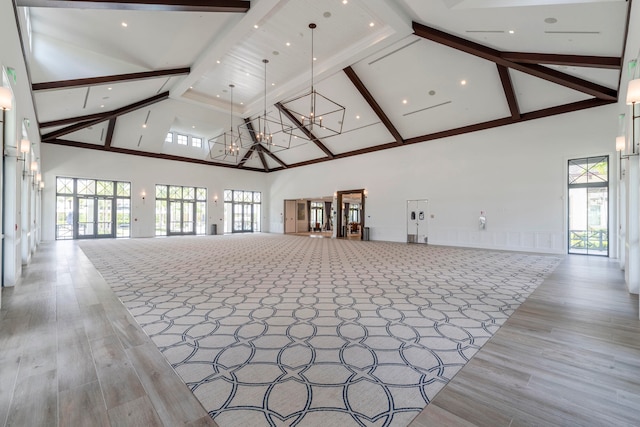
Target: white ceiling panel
(578,27)
(535,94)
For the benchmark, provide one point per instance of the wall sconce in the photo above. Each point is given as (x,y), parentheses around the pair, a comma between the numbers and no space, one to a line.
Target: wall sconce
(215,200)
(5,98)
(144,195)
(633,97)
(25,146)
(41,185)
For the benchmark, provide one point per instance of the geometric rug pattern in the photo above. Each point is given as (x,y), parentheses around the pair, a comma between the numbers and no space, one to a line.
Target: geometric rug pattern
(274,330)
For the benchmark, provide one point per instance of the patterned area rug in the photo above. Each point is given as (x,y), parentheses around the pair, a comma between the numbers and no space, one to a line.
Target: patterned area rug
(287,330)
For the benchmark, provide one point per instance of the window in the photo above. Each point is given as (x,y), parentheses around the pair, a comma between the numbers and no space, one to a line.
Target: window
(180,210)
(242,211)
(196,142)
(182,139)
(91,208)
(169,138)
(589,206)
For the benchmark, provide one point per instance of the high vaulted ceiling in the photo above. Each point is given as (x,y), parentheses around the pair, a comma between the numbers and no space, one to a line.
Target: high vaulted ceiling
(118,75)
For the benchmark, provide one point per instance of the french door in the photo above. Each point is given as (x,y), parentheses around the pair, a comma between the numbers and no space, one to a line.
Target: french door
(589,206)
(95,217)
(243,217)
(181,217)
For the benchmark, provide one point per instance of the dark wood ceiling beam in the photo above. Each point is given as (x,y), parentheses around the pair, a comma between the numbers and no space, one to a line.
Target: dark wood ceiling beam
(128,151)
(304,130)
(609,62)
(546,112)
(509,93)
(494,55)
(263,160)
(251,149)
(275,158)
(235,6)
(373,104)
(72,120)
(116,78)
(106,116)
(110,128)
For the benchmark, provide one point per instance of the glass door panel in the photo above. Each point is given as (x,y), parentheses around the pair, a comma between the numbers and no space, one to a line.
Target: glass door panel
(247,217)
(86,217)
(105,218)
(588,221)
(175,217)
(187,217)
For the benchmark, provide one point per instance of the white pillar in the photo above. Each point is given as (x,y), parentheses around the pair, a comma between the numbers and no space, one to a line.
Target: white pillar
(632,240)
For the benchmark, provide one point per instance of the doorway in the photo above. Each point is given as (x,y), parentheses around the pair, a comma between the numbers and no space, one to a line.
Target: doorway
(417,226)
(95,217)
(350,214)
(588,209)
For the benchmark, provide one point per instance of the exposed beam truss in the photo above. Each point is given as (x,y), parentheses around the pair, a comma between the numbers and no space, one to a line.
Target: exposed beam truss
(496,56)
(373,104)
(106,116)
(308,134)
(141,153)
(117,78)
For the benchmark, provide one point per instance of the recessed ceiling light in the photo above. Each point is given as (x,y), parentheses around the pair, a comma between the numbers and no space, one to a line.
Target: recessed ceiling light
(288,44)
(255,26)
(463,82)
(247,74)
(511,31)
(218,61)
(190,87)
(371,24)
(124,24)
(358,117)
(102,106)
(327,14)
(242,103)
(144,125)
(404,101)
(109,88)
(218,96)
(432,92)
(345,1)
(273,84)
(550,20)
(315,58)
(193,126)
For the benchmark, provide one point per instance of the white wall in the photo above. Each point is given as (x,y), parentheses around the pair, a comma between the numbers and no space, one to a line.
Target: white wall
(21,224)
(143,173)
(516,174)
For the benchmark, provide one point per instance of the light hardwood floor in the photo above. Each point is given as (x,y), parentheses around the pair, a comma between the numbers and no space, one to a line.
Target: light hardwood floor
(71,355)
(570,355)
